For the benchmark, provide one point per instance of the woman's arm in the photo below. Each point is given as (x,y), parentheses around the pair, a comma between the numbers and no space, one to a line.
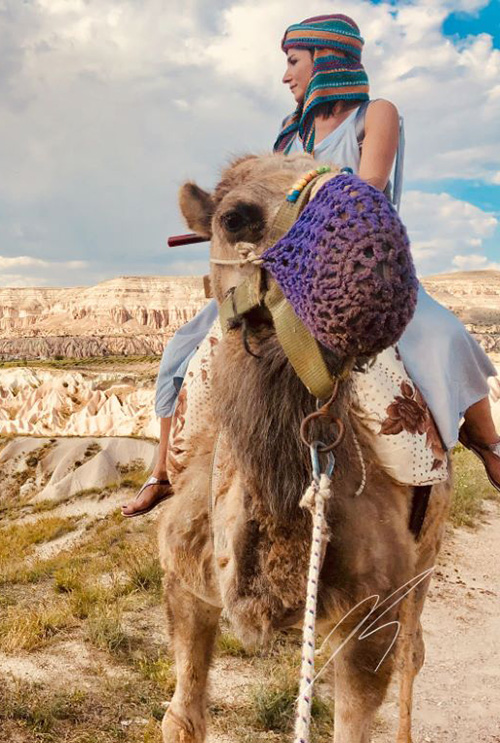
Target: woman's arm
(380,143)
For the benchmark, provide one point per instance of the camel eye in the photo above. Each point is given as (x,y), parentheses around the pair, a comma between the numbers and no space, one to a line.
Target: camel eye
(242,221)
(233,221)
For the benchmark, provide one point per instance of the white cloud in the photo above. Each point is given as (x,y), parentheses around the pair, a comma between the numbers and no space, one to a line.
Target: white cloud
(445,231)
(474,262)
(106,107)
(21,260)
(25,260)
(14,281)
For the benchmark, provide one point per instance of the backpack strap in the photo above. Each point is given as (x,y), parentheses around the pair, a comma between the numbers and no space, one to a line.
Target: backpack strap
(393,194)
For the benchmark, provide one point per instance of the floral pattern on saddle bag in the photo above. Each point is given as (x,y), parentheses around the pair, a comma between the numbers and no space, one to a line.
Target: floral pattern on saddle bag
(390,406)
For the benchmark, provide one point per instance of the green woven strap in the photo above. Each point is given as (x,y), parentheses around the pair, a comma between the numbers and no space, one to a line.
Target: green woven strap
(300,347)
(245,297)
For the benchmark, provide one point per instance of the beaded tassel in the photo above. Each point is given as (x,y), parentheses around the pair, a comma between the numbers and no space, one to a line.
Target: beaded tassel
(299,185)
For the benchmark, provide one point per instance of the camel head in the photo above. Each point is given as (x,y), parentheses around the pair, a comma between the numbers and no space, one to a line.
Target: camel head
(242,209)
(344,265)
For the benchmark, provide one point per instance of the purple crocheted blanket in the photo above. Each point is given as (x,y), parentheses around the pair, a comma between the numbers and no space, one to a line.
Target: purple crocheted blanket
(345,266)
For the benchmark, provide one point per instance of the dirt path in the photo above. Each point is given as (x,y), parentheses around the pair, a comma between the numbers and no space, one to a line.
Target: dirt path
(457,694)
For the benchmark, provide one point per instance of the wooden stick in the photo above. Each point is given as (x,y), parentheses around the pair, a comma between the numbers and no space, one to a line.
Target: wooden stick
(175,241)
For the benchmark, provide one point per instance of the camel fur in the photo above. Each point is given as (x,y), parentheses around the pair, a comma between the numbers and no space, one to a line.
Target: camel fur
(245,547)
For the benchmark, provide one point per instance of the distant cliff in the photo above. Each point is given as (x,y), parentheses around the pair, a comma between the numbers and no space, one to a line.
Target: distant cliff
(136,315)
(133,315)
(474,296)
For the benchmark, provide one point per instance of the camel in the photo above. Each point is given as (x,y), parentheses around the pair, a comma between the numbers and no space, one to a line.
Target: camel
(234,538)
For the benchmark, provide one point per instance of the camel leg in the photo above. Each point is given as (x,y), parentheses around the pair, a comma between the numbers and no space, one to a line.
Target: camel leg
(359,688)
(193,629)
(411,641)
(411,657)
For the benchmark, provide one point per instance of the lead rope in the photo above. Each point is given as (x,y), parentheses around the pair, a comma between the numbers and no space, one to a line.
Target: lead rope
(314,499)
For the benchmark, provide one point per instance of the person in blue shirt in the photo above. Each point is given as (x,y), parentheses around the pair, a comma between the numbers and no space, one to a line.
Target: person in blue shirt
(330,88)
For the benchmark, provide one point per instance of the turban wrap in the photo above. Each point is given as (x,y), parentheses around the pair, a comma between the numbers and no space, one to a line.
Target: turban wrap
(335,77)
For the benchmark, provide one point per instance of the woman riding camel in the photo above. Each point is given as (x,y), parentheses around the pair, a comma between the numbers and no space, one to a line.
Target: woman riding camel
(336,122)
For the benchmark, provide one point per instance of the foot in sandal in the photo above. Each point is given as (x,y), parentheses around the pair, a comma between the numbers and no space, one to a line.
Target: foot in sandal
(154,491)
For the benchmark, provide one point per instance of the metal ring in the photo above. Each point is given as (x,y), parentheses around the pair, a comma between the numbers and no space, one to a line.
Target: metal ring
(324,448)
(340,435)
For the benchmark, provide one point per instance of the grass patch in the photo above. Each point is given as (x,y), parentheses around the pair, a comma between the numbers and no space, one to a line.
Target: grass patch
(159,669)
(116,712)
(38,709)
(29,628)
(273,707)
(105,548)
(104,629)
(267,710)
(19,540)
(471,487)
(229,645)
(134,478)
(143,569)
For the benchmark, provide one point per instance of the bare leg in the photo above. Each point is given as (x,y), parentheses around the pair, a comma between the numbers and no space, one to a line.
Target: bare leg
(154,493)
(193,629)
(481,430)
(479,422)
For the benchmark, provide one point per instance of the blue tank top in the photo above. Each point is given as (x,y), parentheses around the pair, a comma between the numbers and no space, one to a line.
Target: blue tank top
(341,147)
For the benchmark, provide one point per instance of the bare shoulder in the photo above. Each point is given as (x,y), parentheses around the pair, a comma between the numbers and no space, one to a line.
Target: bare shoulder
(381,112)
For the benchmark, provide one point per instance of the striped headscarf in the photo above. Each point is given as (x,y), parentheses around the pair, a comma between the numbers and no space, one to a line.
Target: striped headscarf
(334,77)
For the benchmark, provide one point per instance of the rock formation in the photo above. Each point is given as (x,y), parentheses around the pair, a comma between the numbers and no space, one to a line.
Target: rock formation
(42,402)
(41,469)
(133,315)
(474,296)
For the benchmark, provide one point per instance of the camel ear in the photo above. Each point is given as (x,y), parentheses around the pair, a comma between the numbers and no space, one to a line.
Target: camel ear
(197,208)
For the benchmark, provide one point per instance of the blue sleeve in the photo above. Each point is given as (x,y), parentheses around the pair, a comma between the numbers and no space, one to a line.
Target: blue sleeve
(177,354)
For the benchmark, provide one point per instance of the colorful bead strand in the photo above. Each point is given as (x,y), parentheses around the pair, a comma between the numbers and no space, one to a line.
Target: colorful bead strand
(294,193)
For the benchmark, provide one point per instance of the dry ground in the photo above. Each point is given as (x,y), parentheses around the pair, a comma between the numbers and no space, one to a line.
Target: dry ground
(84,658)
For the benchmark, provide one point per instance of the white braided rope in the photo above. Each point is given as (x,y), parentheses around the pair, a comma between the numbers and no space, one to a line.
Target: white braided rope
(314,500)
(247,254)
(363,466)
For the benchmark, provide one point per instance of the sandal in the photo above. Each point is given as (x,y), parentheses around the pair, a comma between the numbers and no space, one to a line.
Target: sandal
(478,450)
(152,481)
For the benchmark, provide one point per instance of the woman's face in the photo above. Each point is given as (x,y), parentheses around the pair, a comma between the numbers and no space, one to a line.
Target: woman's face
(299,67)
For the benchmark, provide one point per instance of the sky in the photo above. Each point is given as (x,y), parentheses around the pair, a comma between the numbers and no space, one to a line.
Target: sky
(108,106)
